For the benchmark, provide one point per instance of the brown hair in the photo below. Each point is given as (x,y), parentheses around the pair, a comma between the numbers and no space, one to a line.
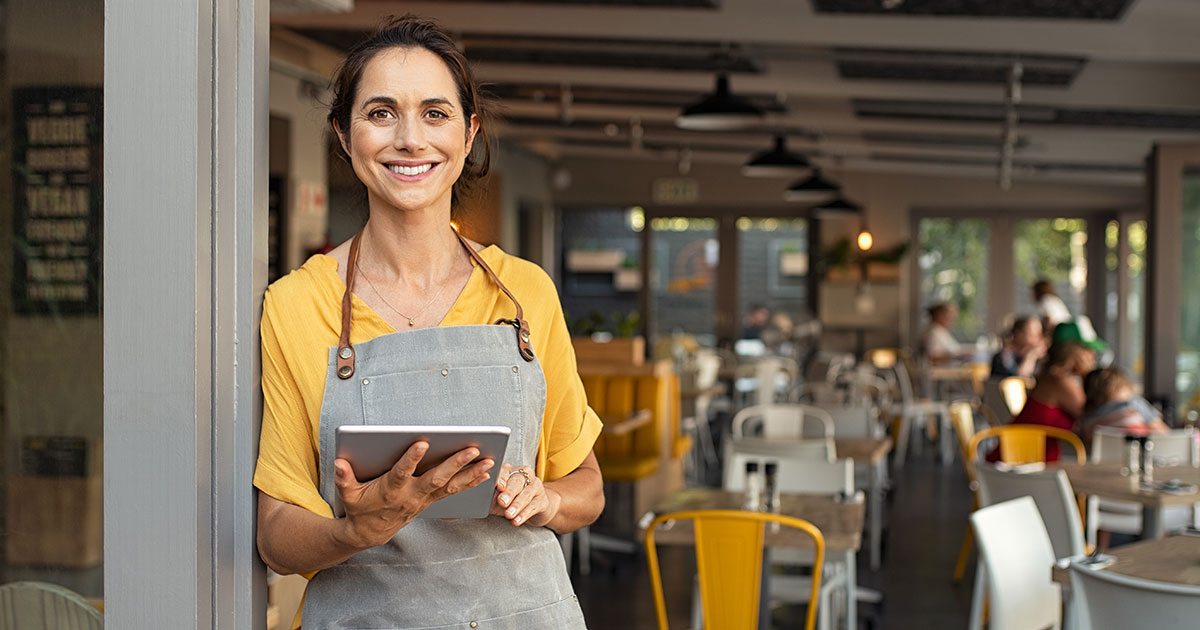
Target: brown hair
(1020,323)
(938,309)
(1066,354)
(1043,287)
(1102,385)
(411,31)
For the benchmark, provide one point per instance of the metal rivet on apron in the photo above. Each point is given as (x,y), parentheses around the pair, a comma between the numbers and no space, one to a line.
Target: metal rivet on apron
(345,353)
(525,336)
(516,369)
(446,372)
(345,370)
(366,381)
(474,624)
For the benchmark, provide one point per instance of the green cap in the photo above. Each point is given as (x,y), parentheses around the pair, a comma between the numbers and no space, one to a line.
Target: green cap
(1080,331)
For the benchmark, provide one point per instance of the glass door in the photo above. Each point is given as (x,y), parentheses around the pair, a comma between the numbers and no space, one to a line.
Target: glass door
(953,266)
(51,210)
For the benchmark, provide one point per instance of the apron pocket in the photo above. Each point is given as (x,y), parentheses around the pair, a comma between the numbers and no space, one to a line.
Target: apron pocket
(449,396)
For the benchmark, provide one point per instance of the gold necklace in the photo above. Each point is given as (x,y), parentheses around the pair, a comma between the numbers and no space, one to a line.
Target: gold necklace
(412,321)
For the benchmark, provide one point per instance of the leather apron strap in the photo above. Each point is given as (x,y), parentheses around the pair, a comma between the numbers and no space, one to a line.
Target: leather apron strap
(345,351)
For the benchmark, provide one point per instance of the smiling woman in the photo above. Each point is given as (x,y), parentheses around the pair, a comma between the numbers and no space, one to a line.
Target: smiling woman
(439,337)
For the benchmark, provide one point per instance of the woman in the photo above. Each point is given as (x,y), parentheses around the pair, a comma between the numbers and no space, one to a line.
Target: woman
(1057,398)
(1026,345)
(938,343)
(409,323)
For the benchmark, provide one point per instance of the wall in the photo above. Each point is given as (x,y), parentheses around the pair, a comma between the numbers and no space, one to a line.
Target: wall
(307,195)
(889,199)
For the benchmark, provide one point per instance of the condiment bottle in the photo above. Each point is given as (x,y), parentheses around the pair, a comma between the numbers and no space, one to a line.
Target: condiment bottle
(753,488)
(1133,454)
(772,490)
(1147,446)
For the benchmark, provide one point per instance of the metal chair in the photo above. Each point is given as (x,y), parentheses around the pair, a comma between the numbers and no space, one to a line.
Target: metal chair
(729,555)
(43,606)
(1015,556)
(1110,601)
(785,421)
(1026,443)
(1015,391)
(1125,517)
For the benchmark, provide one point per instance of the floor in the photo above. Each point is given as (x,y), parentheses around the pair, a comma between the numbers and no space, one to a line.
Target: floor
(926,519)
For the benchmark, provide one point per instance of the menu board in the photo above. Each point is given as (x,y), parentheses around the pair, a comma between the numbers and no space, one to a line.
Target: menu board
(58,200)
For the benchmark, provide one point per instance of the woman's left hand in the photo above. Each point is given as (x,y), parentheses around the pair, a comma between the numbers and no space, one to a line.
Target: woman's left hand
(522,498)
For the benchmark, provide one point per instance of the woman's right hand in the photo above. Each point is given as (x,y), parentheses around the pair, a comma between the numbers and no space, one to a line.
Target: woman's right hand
(377,509)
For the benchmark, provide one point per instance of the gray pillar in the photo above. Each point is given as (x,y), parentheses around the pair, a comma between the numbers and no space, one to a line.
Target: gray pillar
(184,243)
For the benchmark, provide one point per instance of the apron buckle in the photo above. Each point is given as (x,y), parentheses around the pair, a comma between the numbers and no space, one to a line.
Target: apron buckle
(523,337)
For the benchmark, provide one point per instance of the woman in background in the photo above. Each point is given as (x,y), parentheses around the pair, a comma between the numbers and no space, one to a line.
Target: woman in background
(1057,398)
(1025,346)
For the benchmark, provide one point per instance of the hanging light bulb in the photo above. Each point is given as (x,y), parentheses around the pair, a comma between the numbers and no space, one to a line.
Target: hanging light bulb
(865,240)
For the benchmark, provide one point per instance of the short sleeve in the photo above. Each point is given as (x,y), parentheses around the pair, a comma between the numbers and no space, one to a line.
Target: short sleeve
(287,456)
(570,427)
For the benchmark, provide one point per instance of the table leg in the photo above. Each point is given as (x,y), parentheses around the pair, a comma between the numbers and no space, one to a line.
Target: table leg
(764,592)
(875,517)
(945,439)
(1152,523)
(851,588)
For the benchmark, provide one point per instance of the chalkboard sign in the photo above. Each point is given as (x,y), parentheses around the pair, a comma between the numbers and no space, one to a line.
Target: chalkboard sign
(58,200)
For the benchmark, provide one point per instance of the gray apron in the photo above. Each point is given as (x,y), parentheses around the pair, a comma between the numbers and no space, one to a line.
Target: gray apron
(466,573)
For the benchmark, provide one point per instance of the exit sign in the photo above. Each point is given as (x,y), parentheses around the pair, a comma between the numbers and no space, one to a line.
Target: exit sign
(668,190)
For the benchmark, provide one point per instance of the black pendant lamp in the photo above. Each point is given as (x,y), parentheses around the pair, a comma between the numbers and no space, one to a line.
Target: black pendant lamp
(813,189)
(719,111)
(840,207)
(776,162)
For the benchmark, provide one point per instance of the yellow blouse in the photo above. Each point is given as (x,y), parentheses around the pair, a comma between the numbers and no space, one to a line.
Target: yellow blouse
(301,320)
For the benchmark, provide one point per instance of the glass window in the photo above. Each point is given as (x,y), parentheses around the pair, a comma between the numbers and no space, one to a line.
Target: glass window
(1187,380)
(1054,249)
(773,265)
(684,277)
(51,411)
(953,266)
(601,269)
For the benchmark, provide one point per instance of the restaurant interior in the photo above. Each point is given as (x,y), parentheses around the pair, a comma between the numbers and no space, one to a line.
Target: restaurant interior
(816,257)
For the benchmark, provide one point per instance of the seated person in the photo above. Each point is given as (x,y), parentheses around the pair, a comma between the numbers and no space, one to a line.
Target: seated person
(755,321)
(1050,307)
(1024,347)
(1112,403)
(1057,398)
(938,343)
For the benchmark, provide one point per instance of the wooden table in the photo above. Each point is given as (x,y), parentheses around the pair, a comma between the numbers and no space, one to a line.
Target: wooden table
(873,453)
(1106,480)
(840,522)
(1174,559)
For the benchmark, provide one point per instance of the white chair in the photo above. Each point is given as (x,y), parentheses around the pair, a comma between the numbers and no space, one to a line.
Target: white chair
(707,365)
(787,421)
(1050,490)
(1111,601)
(1015,555)
(819,449)
(854,421)
(42,606)
(1125,517)
(798,474)
(911,409)
(995,400)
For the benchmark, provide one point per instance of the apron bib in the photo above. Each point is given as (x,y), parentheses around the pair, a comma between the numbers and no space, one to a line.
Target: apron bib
(467,573)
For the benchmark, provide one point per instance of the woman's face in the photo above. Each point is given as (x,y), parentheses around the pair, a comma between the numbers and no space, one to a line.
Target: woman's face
(1030,335)
(408,137)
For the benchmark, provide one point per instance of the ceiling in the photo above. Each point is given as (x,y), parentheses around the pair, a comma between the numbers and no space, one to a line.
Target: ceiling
(920,85)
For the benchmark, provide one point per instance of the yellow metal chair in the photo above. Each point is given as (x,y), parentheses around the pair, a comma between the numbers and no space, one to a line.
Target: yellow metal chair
(1015,391)
(1025,443)
(729,554)
(962,418)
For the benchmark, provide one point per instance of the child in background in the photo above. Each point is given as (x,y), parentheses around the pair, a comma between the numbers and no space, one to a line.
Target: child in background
(1112,403)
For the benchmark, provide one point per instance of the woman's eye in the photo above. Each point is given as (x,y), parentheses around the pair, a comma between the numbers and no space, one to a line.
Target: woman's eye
(434,113)
(379,114)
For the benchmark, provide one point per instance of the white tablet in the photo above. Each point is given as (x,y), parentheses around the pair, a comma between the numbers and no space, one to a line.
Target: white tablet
(372,450)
